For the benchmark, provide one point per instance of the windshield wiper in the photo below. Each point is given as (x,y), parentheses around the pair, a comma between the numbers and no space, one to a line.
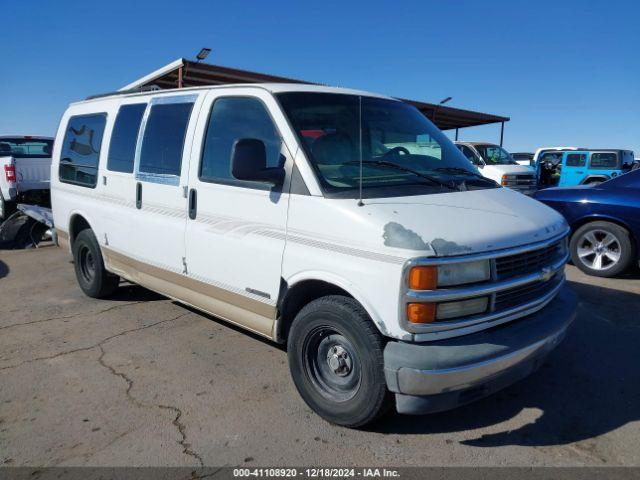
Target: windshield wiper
(383,163)
(464,171)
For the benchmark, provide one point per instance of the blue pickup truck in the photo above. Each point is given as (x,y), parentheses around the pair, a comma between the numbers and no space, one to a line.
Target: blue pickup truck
(573,167)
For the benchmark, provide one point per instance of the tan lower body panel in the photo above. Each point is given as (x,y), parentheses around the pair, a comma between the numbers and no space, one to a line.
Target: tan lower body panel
(245,312)
(63,239)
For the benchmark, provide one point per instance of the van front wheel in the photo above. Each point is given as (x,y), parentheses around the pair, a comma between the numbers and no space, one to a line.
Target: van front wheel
(336,361)
(92,277)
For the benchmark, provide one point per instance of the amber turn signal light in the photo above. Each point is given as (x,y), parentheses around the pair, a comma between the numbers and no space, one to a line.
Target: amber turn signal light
(421,312)
(424,277)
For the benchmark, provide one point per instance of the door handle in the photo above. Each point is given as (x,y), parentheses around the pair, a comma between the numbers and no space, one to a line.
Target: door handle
(193,203)
(138,195)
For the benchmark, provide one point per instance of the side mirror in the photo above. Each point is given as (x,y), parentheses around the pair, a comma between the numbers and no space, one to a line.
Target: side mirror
(249,162)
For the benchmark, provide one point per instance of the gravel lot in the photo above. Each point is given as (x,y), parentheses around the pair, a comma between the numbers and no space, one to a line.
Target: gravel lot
(140,380)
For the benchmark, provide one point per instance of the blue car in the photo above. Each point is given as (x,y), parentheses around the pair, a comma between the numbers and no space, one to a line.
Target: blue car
(604,220)
(581,167)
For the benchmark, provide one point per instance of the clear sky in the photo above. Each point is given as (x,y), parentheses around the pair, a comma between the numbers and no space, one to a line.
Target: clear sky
(566,72)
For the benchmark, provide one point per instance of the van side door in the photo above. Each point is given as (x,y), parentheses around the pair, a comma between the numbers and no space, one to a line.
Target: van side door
(574,164)
(117,183)
(236,230)
(155,248)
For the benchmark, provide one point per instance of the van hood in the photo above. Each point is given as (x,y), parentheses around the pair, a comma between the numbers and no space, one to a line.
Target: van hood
(462,222)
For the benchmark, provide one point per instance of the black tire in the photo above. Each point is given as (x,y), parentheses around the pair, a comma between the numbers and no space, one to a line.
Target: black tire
(352,390)
(588,243)
(6,209)
(92,277)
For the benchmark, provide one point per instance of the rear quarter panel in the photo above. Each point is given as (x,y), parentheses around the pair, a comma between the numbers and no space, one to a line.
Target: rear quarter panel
(580,206)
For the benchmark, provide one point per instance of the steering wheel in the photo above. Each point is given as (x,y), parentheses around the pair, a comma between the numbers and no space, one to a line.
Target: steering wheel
(397,150)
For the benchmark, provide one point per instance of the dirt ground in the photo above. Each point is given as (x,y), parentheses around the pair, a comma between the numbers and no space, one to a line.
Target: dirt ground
(140,380)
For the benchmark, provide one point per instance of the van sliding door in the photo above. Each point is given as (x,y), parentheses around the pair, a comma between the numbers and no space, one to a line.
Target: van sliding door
(156,239)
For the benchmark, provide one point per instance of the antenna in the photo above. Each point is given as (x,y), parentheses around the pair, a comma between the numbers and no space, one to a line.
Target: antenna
(360,202)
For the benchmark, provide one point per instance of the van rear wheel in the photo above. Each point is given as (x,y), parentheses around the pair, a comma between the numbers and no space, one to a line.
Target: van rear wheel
(336,361)
(92,277)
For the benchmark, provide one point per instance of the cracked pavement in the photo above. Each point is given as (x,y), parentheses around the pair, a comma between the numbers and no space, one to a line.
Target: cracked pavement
(140,380)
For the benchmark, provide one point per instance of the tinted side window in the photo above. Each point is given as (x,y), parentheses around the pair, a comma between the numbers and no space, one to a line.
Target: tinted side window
(164,138)
(553,157)
(466,151)
(81,150)
(576,159)
(604,160)
(122,148)
(231,119)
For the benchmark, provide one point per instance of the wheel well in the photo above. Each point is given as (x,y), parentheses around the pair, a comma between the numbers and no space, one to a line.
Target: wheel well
(296,297)
(583,221)
(77,224)
(597,178)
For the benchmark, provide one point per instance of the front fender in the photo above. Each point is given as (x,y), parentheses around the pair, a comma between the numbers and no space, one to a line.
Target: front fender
(345,285)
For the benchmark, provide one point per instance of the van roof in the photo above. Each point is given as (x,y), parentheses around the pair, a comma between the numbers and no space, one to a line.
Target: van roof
(270,87)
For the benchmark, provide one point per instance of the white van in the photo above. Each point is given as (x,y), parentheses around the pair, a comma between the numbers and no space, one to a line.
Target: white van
(497,164)
(301,214)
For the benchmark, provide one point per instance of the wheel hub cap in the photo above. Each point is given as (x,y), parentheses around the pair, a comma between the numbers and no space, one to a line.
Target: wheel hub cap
(599,250)
(339,360)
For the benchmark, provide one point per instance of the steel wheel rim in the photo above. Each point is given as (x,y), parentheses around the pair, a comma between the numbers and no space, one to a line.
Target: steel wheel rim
(87,264)
(599,250)
(331,363)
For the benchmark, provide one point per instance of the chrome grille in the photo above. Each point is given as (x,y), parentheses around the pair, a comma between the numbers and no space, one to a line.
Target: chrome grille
(525,180)
(528,262)
(515,297)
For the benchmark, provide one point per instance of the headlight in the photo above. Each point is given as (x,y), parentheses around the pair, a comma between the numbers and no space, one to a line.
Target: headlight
(430,277)
(428,312)
(462,273)
(462,308)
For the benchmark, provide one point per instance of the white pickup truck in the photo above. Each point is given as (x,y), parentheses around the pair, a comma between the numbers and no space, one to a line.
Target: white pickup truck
(495,163)
(25,163)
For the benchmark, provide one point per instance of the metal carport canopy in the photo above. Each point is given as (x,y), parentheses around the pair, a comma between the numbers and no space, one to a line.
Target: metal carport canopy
(186,73)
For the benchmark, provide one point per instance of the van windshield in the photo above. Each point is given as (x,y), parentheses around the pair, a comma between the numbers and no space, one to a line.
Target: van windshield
(25,147)
(402,152)
(495,155)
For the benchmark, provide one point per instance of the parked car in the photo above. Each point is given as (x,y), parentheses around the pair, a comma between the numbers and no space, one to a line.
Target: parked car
(26,165)
(523,158)
(269,206)
(582,167)
(496,163)
(604,220)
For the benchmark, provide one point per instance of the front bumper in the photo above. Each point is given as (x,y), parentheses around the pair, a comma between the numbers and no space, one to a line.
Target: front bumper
(441,375)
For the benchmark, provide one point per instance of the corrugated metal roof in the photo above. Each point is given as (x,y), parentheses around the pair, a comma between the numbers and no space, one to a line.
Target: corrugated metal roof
(200,74)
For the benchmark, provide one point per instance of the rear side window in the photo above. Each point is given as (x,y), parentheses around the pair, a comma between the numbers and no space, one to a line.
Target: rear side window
(81,150)
(122,148)
(604,160)
(576,159)
(163,140)
(233,118)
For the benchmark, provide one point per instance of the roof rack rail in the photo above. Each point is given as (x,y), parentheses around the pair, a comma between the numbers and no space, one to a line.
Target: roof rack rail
(144,88)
